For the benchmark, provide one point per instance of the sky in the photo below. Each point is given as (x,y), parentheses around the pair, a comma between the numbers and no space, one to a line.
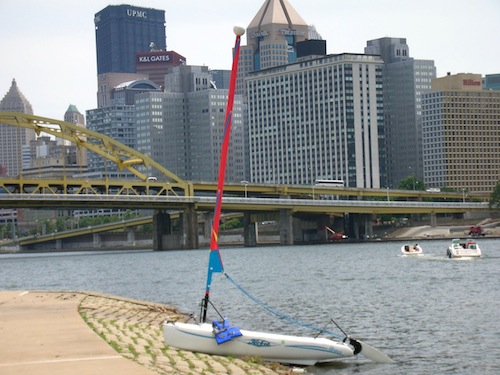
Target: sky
(48,46)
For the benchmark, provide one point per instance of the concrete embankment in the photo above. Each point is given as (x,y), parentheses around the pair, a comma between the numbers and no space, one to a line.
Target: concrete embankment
(491,230)
(51,333)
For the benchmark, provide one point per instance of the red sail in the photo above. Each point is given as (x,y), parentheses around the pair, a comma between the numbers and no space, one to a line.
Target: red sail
(215,261)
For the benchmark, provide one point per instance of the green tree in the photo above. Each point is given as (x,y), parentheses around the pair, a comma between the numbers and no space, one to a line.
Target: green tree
(129,215)
(7,230)
(495,197)
(232,224)
(50,227)
(147,228)
(411,183)
(61,224)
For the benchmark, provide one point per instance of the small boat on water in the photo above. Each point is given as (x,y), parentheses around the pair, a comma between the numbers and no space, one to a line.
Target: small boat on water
(411,249)
(463,248)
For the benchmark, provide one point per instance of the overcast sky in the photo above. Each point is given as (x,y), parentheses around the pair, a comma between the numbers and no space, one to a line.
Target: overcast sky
(48,46)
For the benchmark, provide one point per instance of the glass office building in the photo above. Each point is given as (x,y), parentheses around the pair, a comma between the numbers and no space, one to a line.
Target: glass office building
(123,30)
(405,80)
(183,127)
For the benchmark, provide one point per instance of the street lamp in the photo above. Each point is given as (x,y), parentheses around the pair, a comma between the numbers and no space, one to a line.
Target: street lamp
(245,182)
(413,176)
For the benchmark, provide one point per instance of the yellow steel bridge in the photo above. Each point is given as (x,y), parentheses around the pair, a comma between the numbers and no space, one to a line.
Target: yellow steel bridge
(169,191)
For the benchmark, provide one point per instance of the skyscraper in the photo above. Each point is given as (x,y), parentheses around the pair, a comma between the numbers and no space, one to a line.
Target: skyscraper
(461,136)
(492,82)
(272,39)
(14,141)
(117,121)
(73,116)
(318,119)
(182,128)
(123,30)
(310,115)
(405,79)
(154,64)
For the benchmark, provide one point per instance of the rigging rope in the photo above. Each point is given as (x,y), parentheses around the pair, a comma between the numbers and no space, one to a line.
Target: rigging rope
(281,315)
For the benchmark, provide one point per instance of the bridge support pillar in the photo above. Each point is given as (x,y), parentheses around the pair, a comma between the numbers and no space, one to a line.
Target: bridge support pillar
(249,231)
(161,226)
(164,237)
(354,226)
(207,226)
(361,226)
(433,220)
(97,241)
(190,229)
(368,225)
(286,227)
(130,236)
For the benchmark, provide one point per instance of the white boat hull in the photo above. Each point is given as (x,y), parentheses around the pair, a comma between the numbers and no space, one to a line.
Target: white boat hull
(296,350)
(463,249)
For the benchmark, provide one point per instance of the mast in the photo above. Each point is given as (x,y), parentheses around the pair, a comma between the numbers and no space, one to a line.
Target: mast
(215,261)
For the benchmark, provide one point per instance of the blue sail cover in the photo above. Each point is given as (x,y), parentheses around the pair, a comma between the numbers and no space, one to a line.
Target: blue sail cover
(214,265)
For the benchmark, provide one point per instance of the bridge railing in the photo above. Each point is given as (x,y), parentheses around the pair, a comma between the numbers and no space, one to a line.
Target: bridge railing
(233,203)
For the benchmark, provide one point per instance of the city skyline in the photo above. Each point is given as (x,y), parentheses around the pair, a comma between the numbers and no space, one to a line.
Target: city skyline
(54,63)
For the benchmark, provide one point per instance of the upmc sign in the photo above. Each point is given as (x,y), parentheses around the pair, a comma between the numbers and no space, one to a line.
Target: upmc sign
(137,13)
(154,57)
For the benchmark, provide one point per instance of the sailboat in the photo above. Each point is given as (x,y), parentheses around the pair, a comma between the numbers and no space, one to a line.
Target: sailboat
(222,338)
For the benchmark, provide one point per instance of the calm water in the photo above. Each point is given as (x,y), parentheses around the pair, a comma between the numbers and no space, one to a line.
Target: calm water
(431,314)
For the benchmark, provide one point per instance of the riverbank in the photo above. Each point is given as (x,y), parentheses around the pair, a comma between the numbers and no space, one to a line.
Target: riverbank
(270,237)
(51,332)
(423,232)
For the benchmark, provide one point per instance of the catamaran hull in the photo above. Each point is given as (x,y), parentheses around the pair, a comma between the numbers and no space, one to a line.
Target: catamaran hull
(296,350)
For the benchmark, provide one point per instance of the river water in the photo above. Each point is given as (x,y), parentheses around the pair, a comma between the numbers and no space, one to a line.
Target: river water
(430,314)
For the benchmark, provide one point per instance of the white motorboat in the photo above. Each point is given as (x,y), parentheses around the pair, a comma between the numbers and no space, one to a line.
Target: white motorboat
(220,337)
(463,248)
(411,249)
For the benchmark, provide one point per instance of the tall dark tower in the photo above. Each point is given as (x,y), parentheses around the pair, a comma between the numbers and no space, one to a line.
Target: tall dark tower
(123,30)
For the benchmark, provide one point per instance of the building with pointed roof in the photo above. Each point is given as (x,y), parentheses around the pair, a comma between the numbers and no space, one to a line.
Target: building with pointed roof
(276,12)
(272,38)
(310,115)
(73,116)
(14,141)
